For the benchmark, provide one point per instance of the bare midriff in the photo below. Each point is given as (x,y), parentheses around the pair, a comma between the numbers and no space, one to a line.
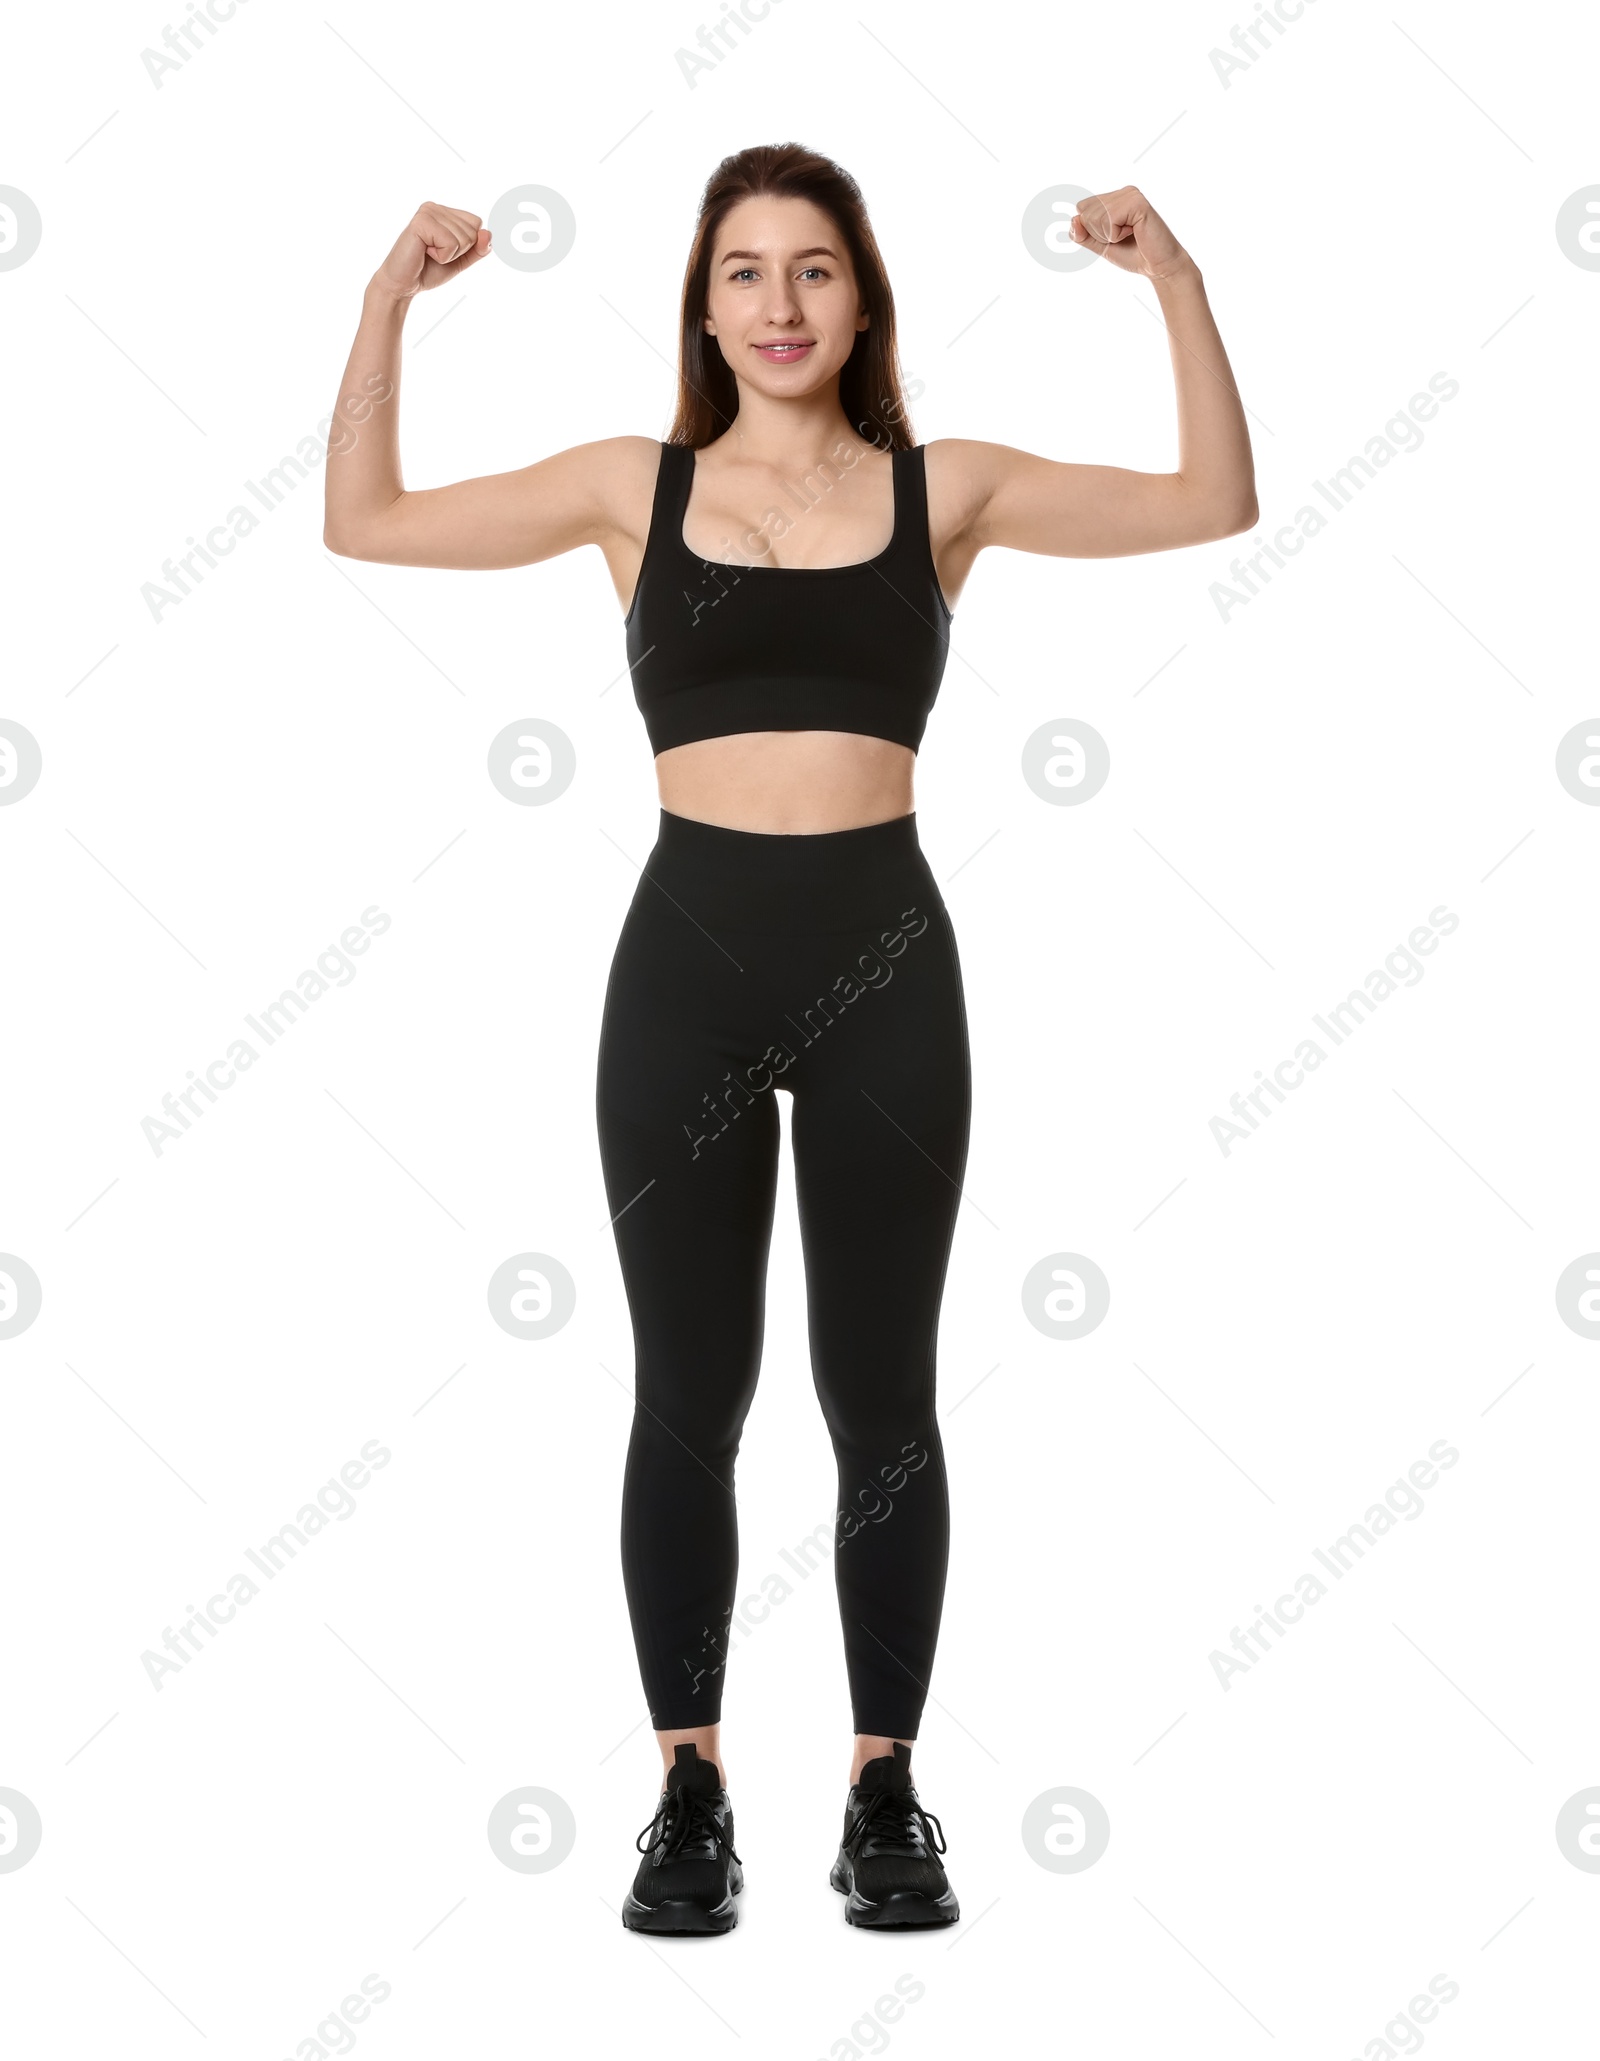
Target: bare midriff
(788,781)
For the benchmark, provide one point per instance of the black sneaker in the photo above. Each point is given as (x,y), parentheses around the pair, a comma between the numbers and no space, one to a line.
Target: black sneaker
(690,1873)
(888,1866)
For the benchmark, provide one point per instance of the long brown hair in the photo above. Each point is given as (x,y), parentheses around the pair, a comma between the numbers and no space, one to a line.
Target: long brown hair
(869,382)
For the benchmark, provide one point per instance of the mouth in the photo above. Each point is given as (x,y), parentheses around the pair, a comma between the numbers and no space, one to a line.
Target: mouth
(788,352)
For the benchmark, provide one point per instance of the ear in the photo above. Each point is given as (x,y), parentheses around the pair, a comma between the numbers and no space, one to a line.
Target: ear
(863,320)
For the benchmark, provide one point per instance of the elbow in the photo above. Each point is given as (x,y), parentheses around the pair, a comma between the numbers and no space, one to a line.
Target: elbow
(340,542)
(1221,510)
(366,534)
(1242,513)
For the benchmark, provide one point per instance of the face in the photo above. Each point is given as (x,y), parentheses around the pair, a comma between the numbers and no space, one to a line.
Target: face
(782,302)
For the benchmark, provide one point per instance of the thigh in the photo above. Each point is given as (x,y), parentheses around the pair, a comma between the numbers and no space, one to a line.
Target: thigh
(690,1162)
(882,1112)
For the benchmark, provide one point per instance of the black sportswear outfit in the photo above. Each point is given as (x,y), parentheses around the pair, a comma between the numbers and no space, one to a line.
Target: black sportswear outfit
(824,964)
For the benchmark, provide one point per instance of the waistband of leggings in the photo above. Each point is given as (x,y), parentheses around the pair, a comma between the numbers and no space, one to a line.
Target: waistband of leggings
(799,881)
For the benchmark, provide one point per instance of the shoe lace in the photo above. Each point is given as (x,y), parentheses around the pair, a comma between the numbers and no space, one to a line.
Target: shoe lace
(687,1818)
(894,1820)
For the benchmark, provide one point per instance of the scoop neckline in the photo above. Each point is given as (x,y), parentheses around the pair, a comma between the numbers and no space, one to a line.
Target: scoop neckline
(733,565)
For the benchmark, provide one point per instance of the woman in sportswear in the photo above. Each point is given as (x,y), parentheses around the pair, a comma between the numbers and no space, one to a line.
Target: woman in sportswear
(787,561)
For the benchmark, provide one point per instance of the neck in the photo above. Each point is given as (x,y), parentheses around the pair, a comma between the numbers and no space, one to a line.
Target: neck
(791,436)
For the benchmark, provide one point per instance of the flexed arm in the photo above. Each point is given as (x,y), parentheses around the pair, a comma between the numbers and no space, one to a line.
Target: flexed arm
(585,495)
(998,495)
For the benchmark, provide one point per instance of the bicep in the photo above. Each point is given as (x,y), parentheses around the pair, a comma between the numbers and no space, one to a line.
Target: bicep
(1066,510)
(504,519)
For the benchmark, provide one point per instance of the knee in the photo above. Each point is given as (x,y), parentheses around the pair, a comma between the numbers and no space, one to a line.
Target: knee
(892,1420)
(672,1424)
(869,1495)
(876,1471)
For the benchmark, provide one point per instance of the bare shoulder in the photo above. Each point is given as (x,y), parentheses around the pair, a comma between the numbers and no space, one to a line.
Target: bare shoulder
(624,460)
(615,476)
(962,476)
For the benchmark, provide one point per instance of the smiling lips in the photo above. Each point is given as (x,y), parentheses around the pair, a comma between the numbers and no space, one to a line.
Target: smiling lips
(786,353)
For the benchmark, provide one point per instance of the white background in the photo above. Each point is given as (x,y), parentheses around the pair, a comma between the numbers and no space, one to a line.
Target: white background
(1291,1325)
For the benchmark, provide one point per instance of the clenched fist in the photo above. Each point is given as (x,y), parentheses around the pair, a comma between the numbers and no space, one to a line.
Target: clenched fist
(435,245)
(1125,228)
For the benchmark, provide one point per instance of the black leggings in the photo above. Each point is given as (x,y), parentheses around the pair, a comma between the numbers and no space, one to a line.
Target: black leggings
(825,965)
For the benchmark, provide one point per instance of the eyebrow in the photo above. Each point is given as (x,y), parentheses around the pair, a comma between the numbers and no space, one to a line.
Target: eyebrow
(820,251)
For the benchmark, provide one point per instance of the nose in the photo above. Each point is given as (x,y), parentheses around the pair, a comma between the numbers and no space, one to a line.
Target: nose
(782,306)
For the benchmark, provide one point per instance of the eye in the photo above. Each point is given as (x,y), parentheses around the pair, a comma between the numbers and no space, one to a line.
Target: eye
(744,272)
(817,271)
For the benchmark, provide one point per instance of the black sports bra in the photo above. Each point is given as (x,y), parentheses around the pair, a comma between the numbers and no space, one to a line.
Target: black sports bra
(716,648)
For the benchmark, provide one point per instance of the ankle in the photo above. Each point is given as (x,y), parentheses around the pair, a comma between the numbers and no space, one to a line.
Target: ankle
(873,1746)
(706,1741)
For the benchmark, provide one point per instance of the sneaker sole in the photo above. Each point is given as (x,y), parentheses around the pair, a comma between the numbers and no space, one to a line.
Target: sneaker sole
(906,1910)
(679,1914)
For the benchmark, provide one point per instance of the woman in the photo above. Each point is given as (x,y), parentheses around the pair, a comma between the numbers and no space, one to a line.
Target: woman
(787,561)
